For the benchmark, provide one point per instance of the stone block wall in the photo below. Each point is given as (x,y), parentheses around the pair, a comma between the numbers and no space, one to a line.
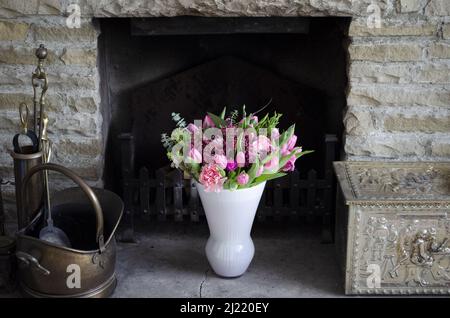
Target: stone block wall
(399,87)
(398,71)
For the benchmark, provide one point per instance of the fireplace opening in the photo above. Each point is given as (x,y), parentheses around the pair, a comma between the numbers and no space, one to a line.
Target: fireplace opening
(152,67)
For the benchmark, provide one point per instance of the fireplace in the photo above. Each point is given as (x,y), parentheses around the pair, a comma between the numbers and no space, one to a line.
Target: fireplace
(190,65)
(395,106)
(376,71)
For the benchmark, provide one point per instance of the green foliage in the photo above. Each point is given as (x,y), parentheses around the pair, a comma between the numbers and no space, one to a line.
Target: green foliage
(179,121)
(267,177)
(223,113)
(219,122)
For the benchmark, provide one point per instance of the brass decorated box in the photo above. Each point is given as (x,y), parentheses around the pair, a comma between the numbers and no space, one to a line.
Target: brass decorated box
(393,227)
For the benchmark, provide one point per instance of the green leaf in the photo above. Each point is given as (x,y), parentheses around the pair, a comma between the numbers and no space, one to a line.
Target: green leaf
(219,122)
(266,177)
(223,113)
(269,157)
(262,122)
(253,170)
(284,159)
(233,185)
(305,152)
(286,135)
(239,142)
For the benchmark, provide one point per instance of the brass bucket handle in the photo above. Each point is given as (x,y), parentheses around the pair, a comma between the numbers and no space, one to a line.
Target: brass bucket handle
(82,184)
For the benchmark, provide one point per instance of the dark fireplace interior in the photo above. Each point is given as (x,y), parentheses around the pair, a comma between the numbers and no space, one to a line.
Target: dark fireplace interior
(153,67)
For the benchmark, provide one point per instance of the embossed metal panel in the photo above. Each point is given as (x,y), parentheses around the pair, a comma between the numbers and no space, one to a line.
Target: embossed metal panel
(394,223)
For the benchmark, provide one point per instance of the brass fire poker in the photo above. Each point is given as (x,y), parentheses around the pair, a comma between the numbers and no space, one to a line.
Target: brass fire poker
(39,75)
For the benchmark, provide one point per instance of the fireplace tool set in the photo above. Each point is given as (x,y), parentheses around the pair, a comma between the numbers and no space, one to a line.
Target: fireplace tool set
(65,245)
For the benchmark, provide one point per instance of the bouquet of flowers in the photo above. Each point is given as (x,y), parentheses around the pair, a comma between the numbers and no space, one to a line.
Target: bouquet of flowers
(232,151)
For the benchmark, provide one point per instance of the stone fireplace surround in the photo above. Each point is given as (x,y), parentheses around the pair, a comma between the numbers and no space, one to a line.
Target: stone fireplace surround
(398,99)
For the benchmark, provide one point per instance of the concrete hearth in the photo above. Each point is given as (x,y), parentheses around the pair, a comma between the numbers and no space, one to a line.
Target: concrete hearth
(169,261)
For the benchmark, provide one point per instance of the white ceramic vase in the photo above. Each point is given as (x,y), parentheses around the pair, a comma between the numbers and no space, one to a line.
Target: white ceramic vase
(230,216)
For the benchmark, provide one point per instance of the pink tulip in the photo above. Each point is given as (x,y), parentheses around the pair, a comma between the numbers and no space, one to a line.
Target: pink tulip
(272,165)
(192,128)
(231,165)
(275,134)
(207,122)
(195,155)
(291,142)
(240,158)
(259,172)
(221,161)
(263,144)
(290,165)
(242,179)
(288,146)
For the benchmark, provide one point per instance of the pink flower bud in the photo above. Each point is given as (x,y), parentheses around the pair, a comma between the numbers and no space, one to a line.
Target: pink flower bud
(272,165)
(259,172)
(207,122)
(290,165)
(221,161)
(192,128)
(195,155)
(240,159)
(291,142)
(275,134)
(242,179)
(231,165)
(288,146)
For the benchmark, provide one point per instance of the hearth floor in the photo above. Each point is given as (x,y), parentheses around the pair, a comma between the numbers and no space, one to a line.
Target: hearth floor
(169,261)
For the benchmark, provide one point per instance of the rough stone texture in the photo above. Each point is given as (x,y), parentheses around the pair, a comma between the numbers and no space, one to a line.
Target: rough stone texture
(82,148)
(82,105)
(400,30)
(440,50)
(446,31)
(426,124)
(359,121)
(20,55)
(374,95)
(68,56)
(16,8)
(11,102)
(10,31)
(407,6)
(79,57)
(61,78)
(437,72)
(438,8)
(441,149)
(367,72)
(64,34)
(387,146)
(386,52)
(430,73)
(143,8)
